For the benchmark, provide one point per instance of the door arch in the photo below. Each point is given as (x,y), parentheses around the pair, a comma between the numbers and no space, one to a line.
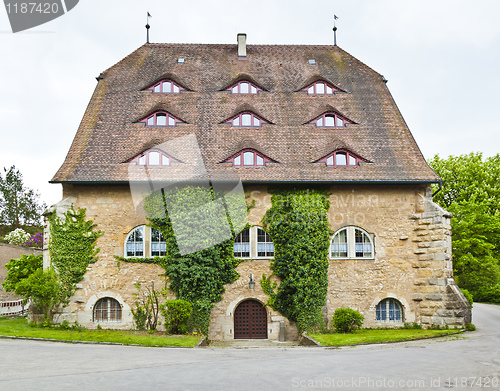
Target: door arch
(250,320)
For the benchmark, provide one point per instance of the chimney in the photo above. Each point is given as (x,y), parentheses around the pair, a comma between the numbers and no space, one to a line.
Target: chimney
(242,45)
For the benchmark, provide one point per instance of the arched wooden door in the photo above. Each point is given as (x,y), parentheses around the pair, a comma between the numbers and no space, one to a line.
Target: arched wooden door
(250,320)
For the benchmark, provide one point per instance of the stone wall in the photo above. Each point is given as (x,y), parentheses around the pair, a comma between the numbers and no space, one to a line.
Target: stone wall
(412,261)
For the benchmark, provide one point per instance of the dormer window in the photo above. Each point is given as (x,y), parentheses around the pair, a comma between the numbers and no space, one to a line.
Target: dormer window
(153,157)
(321,88)
(166,86)
(246,119)
(341,158)
(330,120)
(161,118)
(244,87)
(248,158)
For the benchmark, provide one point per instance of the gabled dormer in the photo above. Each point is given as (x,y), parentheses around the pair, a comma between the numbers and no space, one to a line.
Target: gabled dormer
(331,119)
(246,119)
(166,86)
(153,157)
(341,158)
(321,87)
(249,158)
(161,118)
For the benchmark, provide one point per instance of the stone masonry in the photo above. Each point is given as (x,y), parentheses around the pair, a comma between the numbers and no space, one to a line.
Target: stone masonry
(412,262)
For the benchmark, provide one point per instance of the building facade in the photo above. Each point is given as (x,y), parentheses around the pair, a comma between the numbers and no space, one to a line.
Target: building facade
(271,116)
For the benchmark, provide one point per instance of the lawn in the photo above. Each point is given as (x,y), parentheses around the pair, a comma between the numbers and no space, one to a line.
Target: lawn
(19,328)
(377,336)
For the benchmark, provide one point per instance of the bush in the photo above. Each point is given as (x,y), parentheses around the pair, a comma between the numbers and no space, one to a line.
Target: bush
(412,326)
(177,314)
(21,268)
(470,327)
(490,294)
(346,320)
(468,296)
(17,237)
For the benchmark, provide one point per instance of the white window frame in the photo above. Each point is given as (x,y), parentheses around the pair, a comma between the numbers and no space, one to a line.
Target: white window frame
(254,244)
(351,243)
(147,242)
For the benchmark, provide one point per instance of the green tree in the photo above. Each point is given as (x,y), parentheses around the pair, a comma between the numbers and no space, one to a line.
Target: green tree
(18,204)
(46,291)
(471,192)
(21,268)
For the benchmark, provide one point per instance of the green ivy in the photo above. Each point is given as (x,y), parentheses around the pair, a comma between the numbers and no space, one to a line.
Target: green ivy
(298,225)
(199,277)
(72,245)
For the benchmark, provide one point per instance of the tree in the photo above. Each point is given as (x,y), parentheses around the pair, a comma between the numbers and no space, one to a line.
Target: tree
(471,192)
(18,204)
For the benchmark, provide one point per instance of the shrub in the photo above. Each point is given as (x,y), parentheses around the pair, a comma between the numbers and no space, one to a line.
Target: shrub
(470,327)
(346,320)
(490,294)
(17,237)
(412,326)
(177,314)
(21,268)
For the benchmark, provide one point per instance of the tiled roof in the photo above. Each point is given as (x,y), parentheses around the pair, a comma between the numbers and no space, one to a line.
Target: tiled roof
(109,136)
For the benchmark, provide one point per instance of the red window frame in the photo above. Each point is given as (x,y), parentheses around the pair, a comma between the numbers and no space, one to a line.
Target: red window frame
(146,155)
(154,116)
(253,118)
(241,162)
(337,119)
(314,87)
(157,88)
(332,157)
(238,88)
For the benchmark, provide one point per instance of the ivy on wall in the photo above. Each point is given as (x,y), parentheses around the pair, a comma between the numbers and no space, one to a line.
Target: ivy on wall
(298,225)
(72,245)
(198,277)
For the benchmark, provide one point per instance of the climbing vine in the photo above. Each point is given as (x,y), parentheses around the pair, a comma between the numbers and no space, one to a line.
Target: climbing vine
(298,225)
(72,245)
(197,277)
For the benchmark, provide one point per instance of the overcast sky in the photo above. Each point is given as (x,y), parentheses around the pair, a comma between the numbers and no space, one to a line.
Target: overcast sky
(441,58)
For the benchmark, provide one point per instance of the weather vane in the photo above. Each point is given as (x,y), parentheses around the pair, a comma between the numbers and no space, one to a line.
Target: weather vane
(147,27)
(335,17)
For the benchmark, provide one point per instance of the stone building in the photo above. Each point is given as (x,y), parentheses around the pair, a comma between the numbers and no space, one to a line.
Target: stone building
(270,115)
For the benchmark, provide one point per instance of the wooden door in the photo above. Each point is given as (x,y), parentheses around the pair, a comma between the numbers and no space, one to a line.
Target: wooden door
(250,320)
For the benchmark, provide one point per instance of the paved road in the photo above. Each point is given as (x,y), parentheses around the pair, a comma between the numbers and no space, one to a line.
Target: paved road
(453,363)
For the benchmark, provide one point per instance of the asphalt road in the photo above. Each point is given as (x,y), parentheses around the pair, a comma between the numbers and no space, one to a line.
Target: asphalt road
(469,362)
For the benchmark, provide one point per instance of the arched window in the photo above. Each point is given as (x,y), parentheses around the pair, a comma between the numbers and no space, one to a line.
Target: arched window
(330,120)
(166,86)
(158,244)
(389,310)
(351,242)
(253,242)
(153,157)
(248,158)
(161,118)
(244,87)
(107,309)
(134,245)
(144,241)
(246,119)
(320,88)
(341,158)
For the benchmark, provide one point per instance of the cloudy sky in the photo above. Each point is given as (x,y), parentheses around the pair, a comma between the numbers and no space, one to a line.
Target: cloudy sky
(441,58)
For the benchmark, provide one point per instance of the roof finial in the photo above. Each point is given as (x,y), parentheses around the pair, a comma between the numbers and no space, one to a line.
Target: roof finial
(147,27)
(335,17)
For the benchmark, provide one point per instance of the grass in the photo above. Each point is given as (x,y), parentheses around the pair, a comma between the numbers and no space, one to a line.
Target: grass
(19,327)
(362,336)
